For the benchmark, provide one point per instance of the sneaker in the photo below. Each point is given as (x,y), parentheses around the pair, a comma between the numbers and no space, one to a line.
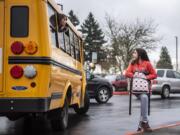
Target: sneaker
(140,127)
(146,127)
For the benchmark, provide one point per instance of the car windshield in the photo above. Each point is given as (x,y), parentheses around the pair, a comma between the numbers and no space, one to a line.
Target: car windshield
(120,77)
(88,75)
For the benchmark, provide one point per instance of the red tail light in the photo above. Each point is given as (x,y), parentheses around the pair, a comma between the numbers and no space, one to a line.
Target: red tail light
(16,72)
(154,82)
(17,47)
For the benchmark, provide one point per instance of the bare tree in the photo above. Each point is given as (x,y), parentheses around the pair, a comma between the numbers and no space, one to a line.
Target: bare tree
(124,38)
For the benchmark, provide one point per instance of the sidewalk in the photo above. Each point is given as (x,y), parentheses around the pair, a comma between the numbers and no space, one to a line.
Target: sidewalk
(171,129)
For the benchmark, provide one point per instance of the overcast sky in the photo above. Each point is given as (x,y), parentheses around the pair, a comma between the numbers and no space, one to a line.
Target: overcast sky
(165,13)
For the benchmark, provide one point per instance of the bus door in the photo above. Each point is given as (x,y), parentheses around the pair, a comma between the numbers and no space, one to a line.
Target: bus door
(1,41)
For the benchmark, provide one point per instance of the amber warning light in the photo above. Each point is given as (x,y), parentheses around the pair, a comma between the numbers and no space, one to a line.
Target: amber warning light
(31,48)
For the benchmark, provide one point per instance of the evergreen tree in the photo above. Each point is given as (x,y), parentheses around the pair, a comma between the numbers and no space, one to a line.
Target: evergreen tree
(94,38)
(165,59)
(73,18)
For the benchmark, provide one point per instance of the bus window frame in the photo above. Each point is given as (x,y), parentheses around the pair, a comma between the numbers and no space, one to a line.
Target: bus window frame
(72,43)
(76,40)
(81,51)
(68,39)
(63,38)
(77,48)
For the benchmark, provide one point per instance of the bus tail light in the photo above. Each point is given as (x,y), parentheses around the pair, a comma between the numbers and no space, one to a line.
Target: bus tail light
(31,48)
(16,72)
(17,47)
(30,71)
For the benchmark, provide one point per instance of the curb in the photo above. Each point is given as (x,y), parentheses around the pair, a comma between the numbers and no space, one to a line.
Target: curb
(154,129)
(121,93)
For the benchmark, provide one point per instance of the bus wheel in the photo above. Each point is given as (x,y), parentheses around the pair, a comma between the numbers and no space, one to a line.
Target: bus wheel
(84,109)
(61,121)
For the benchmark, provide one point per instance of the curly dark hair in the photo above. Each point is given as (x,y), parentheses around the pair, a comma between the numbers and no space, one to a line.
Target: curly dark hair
(142,54)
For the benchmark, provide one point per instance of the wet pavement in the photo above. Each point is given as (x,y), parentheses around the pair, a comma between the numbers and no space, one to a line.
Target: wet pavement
(107,119)
(166,131)
(169,130)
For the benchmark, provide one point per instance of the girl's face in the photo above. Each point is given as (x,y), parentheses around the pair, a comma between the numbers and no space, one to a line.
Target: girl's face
(135,55)
(63,22)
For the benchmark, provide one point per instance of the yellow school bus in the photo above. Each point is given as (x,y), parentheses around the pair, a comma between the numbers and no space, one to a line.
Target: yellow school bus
(41,66)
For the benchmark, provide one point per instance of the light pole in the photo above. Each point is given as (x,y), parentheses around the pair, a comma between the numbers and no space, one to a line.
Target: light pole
(176,53)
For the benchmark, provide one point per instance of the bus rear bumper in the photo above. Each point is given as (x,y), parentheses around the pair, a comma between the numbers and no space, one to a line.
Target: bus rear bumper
(24,105)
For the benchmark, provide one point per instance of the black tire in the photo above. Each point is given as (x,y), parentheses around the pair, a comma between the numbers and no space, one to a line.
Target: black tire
(165,92)
(102,95)
(28,124)
(61,121)
(83,110)
(15,116)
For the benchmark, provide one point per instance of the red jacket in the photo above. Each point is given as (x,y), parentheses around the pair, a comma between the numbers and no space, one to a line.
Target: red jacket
(143,66)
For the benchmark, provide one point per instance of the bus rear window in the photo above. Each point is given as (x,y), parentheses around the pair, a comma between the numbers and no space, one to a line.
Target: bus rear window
(19,21)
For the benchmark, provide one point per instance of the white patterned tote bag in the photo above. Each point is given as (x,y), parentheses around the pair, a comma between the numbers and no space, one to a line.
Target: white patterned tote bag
(140,84)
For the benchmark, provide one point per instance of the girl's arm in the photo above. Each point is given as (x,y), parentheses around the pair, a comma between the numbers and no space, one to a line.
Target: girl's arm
(152,73)
(129,71)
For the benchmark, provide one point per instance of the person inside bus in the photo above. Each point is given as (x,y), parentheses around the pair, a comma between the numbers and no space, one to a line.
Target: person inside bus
(141,63)
(62,22)
(53,21)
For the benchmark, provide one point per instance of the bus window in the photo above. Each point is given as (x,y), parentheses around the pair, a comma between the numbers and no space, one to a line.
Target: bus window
(77,49)
(71,37)
(19,21)
(78,55)
(62,28)
(72,51)
(76,40)
(53,26)
(61,41)
(72,43)
(67,43)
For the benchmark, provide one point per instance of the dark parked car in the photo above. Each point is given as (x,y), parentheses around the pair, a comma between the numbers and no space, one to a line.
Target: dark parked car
(120,83)
(98,88)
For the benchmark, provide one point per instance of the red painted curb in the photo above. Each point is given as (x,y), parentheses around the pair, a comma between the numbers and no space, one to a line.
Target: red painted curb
(160,127)
(121,93)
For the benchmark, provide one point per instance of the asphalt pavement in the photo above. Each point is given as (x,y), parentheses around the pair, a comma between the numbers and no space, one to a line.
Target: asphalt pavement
(106,119)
